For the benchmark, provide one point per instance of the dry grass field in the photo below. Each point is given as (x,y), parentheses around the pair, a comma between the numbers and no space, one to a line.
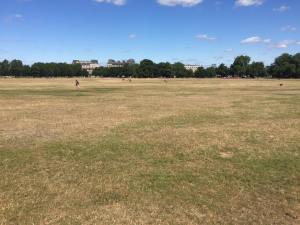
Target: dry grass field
(184,152)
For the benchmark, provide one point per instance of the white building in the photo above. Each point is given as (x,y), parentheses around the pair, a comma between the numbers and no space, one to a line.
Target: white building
(192,67)
(110,65)
(88,65)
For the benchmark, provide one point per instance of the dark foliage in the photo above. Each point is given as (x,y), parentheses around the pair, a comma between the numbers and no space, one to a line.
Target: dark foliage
(285,66)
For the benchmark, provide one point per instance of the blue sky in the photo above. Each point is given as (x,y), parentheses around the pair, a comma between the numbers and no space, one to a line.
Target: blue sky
(191,31)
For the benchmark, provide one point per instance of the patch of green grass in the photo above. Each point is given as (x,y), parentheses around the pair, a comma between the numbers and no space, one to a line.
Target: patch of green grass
(56,92)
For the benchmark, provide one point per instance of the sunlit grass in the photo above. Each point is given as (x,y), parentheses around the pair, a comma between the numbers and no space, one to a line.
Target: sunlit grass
(149,152)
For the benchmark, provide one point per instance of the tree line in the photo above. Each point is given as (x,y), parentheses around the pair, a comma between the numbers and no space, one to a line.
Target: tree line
(284,66)
(16,68)
(145,69)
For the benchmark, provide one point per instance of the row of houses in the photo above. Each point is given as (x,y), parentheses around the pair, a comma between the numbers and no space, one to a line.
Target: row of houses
(93,64)
(88,65)
(195,67)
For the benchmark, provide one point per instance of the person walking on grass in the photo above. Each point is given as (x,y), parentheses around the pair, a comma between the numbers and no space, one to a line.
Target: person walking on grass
(77,83)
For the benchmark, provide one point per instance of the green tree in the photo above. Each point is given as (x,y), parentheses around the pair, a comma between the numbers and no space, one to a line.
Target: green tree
(101,72)
(36,70)
(210,72)
(146,68)
(26,70)
(4,68)
(257,69)
(178,70)
(284,59)
(205,73)
(200,72)
(285,66)
(296,60)
(222,70)
(240,65)
(16,68)
(164,69)
(133,69)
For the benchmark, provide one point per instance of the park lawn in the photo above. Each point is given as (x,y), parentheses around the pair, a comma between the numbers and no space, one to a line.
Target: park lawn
(185,151)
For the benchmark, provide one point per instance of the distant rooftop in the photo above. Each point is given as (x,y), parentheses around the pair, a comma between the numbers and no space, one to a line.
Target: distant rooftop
(85,61)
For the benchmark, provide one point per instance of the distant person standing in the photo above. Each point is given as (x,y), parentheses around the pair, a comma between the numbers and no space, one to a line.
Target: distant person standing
(77,83)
